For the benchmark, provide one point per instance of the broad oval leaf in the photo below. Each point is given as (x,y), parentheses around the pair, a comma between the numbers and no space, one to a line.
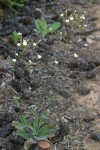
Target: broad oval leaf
(55,26)
(17,124)
(47,131)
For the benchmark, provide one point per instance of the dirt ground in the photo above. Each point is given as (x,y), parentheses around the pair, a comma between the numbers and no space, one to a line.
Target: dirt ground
(66,87)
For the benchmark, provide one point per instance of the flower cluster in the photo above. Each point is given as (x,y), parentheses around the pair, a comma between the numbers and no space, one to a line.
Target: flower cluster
(74,22)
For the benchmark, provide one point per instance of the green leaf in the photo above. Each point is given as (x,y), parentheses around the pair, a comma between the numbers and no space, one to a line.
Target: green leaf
(25,121)
(54,27)
(24,134)
(35,124)
(47,131)
(15,37)
(35,113)
(43,25)
(42,120)
(16,99)
(17,125)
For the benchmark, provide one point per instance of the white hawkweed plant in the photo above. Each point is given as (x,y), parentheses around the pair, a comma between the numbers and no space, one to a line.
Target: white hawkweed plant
(34,130)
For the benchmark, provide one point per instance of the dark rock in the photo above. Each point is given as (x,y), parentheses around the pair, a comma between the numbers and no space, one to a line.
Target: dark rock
(95,136)
(37,14)
(16,109)
(6,130)
(96,62)
(90,74)
(81,2)
(27,74)
(43,45)
(1,122)
(15,85)
(27,20)
(8,117)
(73,75)
(40,50)
(81,65)
(61,132)
(19,72)
(84,90)
(34,85)
(26,94)
(50,40)
(88,119)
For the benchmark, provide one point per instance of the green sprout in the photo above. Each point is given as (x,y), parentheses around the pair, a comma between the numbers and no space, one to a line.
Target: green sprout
(17,37)
(44,29)
(18,3)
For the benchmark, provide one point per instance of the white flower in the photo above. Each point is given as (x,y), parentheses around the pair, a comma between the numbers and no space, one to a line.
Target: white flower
(61,33)
(56,62)
(14,60)
(39,56)
(67,21)
(61,15)
(75,55)
(18,44)
(19,33)
(16,54)
(24,42)
(66,11)
(85,25)
(30,61)
(71,18)
(34,44)
(82,17)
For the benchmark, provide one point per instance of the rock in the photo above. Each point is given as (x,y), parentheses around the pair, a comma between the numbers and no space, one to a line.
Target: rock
(88,119)
(26,94)
(27,20)
(6,130)
(81,2)
(89,40)
(15,85)
(90,74)
(95,136)
(84,90)
(19,73)
(73,75)
(86,45)
(97,37)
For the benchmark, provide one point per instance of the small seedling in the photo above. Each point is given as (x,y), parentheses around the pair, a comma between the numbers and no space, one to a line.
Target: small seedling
(18,3)
(17,101)
(36,130)
(44,29)
(17,37)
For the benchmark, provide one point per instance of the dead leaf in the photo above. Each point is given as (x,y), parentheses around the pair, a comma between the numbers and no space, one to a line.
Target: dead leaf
(44,144)
(1,13)
(27,145)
